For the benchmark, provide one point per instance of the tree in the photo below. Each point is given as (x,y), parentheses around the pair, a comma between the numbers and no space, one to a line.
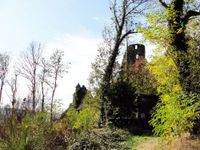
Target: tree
(56,70)
(193,33)
(122,98)
(178,108)
(98,68)
(43,80)
(13,87)
(176,112)
(4,63)
(179,14)
(123,26)
(29,67)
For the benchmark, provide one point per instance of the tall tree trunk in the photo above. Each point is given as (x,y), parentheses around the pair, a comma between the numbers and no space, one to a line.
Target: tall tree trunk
(43,97)
(34,90)
(1,89)
(105,86)
(179,42)
(14,92)
(125,10)
(177,21)
(43,94)
(52,97)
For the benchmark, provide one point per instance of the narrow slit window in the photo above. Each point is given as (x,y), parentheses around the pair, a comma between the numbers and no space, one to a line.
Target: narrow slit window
(142,115)
(137,56)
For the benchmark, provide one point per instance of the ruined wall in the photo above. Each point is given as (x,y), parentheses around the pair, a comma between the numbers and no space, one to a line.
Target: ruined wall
(133,59)
(133,67)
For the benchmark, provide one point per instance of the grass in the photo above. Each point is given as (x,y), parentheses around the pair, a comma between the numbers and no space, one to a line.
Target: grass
(134,141)
(185,142)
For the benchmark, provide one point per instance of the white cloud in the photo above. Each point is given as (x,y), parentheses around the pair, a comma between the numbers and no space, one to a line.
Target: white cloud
(80,51)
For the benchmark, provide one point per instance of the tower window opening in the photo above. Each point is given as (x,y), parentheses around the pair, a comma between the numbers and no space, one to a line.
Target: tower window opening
(142,115)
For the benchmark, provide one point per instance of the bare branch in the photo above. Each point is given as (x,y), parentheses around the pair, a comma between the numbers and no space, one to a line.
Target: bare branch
(114,10)
(133,9)
(125,9)
(126,34)
(29,68)
(190,14)
(163,3)
(13,87)
(4,63)
(57,69)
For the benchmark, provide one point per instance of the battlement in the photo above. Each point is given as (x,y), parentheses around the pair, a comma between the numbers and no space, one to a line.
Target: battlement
(133,53)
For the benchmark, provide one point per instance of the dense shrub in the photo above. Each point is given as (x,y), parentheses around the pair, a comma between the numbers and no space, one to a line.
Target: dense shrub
(176,111)
(175,115)
(102,139)
(122,97)
(86,117)
(30,134)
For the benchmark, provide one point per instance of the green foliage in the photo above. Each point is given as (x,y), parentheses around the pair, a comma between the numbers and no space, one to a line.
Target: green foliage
(134,141)
(176,111)
(176,71)
(157,31)
(10,137)
(175,115)
(93,102)
(103,138)
(36,127)
(168,31)
(193,33)
(75,128)
(30,134)
(99,66)
(166,74)
(87,117)
(71,116)
(143,81)
(122,98)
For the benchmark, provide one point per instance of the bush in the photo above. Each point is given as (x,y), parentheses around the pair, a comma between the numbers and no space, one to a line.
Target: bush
(176,111)
(102,139)
(174,115)
(86,117)
(86,120)
(36,127)
(29,134)
(122,97)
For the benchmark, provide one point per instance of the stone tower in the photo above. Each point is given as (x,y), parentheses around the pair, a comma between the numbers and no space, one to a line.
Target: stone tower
(134,58)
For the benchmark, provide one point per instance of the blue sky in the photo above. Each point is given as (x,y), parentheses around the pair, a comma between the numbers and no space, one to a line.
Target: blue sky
(23,21)
(72,25)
